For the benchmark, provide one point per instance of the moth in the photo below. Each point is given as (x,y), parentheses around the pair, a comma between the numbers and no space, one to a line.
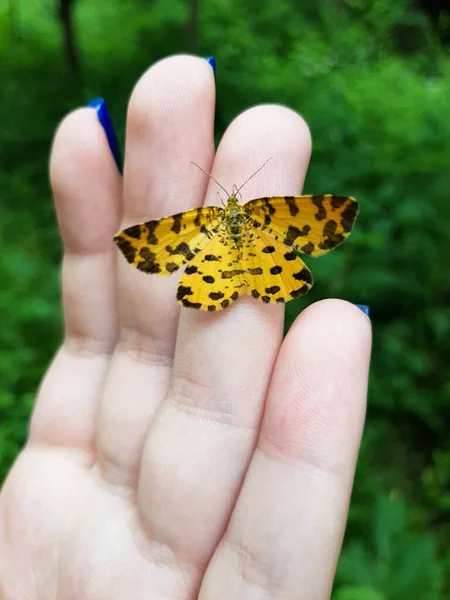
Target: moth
(238,249)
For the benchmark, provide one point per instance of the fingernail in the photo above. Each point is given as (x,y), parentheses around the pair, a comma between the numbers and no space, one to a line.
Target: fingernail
(212,61)
(105,121)
(364,308)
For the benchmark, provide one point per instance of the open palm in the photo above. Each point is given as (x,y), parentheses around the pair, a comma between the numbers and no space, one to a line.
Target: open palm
(181,454)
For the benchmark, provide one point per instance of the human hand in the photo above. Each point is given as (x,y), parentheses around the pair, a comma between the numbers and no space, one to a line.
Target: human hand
(181,454)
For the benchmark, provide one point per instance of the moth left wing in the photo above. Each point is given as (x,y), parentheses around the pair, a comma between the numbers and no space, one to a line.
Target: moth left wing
(164,245)
(312,225)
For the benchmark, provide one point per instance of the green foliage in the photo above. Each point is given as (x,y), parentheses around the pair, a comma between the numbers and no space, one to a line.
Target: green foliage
(29,298)
(392,561)
(356,592)
(373,84)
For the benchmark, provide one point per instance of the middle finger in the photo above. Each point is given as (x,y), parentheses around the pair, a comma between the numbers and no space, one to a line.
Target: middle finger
(203,436)
(170,122)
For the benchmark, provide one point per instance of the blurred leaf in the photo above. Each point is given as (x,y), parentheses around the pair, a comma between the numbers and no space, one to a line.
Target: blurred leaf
(349,592)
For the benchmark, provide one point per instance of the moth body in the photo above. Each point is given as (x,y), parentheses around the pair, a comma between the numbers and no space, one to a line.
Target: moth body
(235,219)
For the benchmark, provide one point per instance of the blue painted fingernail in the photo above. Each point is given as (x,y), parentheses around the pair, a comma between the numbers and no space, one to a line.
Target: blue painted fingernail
(212,61)
(105,121)
(364,308)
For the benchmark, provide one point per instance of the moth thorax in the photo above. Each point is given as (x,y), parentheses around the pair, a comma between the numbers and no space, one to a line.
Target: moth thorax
(235,220)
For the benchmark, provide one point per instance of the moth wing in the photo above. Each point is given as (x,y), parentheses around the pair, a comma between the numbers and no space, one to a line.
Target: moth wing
(214,278)
(164,245)
(312,225)
(274,273)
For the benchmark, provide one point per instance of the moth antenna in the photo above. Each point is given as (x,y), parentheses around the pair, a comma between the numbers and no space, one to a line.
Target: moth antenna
(251,176)
(210,176)
(220,198)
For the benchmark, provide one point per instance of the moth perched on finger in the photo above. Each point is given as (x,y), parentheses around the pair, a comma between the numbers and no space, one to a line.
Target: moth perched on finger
(241,249)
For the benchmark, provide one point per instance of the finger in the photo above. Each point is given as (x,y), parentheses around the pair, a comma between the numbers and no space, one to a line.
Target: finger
(170,123)
(87,190)
(199,446)
(286,530)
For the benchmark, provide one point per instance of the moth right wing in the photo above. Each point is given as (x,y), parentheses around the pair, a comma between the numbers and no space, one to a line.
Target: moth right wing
(312,225)
(274,273)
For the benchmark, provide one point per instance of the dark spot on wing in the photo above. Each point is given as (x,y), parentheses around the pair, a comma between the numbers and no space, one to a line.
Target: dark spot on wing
(276,270)
(231,274)
(224,303)
(290,256)
(182,249)
(191,269)
(265,299)
(189,304)
(273,290)
(267,220)
(329,228)
(268,249)
(148,264)
(126,248)
(211,308)
(206,232)
(208,279)
(183,291)
(255,293)
(331,242)
(292,205)
(151,237)
(234,296)
(255,271)
(171,267)
(270,207)
(301,292)
(303,275)
(211,257)
(332,239)
(349,215)
(307,248)
(216,295)
(337,201)
(197,219)
(321,213)
(135,232)
(294,232)
(176,226)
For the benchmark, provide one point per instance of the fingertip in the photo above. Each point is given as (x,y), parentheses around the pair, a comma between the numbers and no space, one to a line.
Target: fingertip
(170,122)
(340,315)
(73,137)
(267,131)
(317,406)
(343,322)
(173,84)
(284,129)
(85,182)
(79,143)
(335,331)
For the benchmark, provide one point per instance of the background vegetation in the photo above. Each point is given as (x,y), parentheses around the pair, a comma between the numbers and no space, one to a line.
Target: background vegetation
(372,78)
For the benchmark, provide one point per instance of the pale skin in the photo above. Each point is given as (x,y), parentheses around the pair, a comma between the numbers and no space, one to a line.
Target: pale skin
(173,453)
